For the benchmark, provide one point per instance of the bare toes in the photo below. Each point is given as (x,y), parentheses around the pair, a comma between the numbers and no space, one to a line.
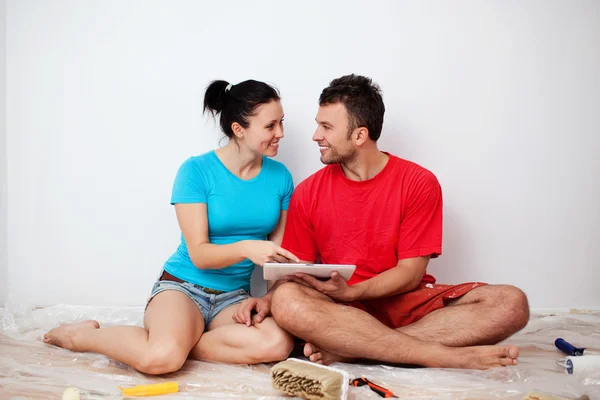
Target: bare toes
(309,350)
(507,361)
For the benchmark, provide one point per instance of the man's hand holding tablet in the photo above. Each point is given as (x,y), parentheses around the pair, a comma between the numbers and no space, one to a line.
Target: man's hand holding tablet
(329,279)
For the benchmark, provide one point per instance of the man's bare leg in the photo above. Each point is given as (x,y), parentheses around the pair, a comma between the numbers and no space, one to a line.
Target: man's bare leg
(353,333)
(485,315)
(493,313)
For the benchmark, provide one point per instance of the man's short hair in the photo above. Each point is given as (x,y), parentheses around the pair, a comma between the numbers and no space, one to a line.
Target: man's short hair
(362,99)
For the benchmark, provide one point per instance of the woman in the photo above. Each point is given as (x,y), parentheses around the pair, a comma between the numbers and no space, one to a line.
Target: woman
(231,207)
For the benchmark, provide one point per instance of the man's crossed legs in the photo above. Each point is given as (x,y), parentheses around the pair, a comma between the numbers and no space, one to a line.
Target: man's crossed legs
(459,335)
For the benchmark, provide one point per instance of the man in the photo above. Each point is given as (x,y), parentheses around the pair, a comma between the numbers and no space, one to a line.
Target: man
(384,215)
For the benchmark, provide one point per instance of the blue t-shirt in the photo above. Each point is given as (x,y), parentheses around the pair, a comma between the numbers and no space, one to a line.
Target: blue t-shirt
(237,210)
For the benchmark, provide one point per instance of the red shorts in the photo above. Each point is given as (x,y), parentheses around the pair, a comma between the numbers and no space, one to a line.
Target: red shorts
(406,308)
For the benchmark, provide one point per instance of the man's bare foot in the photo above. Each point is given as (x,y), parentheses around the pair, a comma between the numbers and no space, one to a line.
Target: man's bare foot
(477,357)
(319,356)
(64,335)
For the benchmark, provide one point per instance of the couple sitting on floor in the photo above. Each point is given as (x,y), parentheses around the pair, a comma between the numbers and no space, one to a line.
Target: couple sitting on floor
(238,208)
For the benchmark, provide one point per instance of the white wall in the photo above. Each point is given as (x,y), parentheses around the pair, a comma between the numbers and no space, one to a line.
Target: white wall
(499,99)
(3,186)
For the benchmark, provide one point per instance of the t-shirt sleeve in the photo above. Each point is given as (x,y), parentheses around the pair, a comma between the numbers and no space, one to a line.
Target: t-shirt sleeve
(299,234)
(421,226)
(190,184)
(288,189)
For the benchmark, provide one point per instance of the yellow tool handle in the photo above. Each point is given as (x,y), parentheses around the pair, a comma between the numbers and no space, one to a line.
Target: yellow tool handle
(151,390)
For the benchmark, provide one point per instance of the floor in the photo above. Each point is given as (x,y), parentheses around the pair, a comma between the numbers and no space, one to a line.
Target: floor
(29,369)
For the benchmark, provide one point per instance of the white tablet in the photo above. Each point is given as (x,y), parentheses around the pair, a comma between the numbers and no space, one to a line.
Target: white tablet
(275,271)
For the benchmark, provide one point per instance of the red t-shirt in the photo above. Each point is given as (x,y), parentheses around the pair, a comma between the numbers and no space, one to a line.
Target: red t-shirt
(371,224)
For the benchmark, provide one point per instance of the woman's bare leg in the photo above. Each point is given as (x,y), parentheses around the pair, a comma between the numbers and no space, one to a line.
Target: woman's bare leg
(162,346)
(230,342)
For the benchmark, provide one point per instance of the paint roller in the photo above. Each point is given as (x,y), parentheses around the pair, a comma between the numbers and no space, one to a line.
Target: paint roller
(576,362)
(312,381)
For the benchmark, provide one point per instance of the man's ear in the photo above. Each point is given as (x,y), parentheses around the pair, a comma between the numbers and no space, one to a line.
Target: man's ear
(361,135)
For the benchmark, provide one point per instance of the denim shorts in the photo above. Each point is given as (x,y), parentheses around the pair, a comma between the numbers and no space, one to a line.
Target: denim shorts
(209,304)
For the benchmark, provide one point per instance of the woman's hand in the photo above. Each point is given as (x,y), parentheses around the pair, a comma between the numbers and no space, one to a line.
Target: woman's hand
(243,314)
(264,251)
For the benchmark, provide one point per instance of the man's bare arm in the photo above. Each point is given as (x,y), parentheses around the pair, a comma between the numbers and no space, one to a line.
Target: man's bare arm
(404,277)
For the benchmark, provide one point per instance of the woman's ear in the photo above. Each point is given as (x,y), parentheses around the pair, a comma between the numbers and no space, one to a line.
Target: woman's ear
(237,129)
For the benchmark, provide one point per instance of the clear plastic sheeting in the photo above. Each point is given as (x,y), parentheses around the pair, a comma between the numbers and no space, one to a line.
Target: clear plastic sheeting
(30,369)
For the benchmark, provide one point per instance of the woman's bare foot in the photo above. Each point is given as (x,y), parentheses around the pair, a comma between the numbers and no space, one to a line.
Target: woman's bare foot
(319,356)
(64,335)
(476,357)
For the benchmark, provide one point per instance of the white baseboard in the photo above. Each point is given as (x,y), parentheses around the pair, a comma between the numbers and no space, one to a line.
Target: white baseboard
(562,311)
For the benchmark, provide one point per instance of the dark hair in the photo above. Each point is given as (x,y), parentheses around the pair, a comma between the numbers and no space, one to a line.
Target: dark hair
(362,99)
(236,103)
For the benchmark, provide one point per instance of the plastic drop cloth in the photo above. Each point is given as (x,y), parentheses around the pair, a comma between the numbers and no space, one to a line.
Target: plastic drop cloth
(30,369)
